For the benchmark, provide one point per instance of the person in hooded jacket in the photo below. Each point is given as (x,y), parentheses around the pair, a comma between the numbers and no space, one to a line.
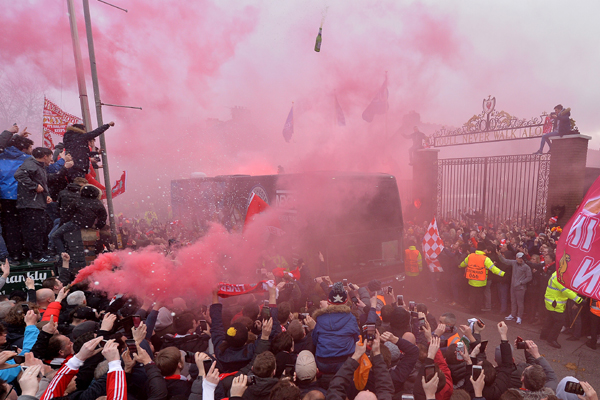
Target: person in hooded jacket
(87,212)
(69,196)
(32,197)
(76,144)
(18,150)
(336,332)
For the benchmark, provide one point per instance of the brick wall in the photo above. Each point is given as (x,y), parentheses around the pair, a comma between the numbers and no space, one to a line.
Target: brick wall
(567,174)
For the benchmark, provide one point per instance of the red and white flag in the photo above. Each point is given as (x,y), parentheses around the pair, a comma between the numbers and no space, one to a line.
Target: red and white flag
(119,186)
(55,122)
(432,247)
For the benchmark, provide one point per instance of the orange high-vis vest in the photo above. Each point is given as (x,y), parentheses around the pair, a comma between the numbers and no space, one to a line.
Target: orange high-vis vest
(411,261)
(595,307)
(475,270)
(380,297)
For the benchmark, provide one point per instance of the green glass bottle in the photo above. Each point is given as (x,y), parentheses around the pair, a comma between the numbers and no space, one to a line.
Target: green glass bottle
(318,42)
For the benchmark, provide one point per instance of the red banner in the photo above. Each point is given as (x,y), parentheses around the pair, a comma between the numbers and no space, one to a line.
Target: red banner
(578,250)
(56,122)
(119,187)
(230,289)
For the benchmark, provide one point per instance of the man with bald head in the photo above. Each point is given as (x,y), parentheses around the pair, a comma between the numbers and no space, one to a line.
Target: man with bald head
(48,304)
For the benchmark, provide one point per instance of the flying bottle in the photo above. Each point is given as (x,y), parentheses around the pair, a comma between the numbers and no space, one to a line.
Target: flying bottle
(318,41)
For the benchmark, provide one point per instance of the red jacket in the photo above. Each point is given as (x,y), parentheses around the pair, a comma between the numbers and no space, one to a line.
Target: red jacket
(53,309)
(447,390)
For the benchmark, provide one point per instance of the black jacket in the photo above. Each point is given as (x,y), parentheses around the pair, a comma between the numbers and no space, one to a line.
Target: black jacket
(88,210)
(29,175)
(261,389)
(66,197)
(76,144)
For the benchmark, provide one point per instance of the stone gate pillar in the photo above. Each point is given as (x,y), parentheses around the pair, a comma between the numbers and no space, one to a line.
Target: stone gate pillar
(568,157)
(425,181)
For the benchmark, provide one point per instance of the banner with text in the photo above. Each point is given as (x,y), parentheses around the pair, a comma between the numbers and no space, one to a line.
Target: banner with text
(578,251)
(55,123)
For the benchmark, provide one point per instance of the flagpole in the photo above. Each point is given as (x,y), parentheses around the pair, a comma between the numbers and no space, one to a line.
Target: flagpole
(83,98)
(105,170)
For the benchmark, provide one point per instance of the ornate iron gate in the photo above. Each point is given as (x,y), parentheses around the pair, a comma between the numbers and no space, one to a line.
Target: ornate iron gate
(502,188)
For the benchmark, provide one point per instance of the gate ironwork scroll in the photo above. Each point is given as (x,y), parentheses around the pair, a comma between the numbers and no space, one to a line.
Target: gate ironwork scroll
(502,188)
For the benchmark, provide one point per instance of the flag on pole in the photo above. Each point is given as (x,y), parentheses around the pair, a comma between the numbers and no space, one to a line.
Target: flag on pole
(379,104)
(55,122)
(433,246)
(288,128)
(578,250)
(339,114)
(119,186)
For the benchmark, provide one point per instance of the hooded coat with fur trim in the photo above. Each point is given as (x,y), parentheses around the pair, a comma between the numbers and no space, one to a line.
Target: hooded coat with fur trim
(336,332)
(76,144)
(88,209)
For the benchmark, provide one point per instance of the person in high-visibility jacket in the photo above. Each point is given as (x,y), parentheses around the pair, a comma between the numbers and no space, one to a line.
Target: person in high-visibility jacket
(413,265)
(477,265)
(556,302)
(594,323)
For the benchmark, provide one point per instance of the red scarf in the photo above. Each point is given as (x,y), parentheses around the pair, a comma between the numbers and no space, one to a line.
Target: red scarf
(230,289)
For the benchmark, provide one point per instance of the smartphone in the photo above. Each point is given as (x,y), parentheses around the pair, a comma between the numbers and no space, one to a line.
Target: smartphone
(289,370)
(355,300)
(203,325)
(421,322)
(127,324)
(302,316)
(483,346)
(429,372)
(207,364)
(17,359)
(414,314)
(101,344)
(390,290)
(251,380)
(309,304)
(574,387)
(460,346)
(131,346)
(370,331)
(477,369)
(400,300)
(266,313)
(522,345)
(25,308)
(408,397)
(411,305)
(24,368)
(345,282)
(190,357)
(137,320)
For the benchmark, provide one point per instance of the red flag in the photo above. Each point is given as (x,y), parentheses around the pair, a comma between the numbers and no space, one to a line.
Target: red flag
(118,188)
(56,121)
(256,206)
(433,246)
(578,250)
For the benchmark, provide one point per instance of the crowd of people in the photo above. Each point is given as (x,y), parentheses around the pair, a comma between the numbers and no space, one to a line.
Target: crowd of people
(294,336)
(508,270)
(45,195)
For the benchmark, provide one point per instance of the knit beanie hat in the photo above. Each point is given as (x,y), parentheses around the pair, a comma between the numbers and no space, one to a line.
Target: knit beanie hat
(338,295)
(394,351)
(164,318)
(374,285)
(237,335)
